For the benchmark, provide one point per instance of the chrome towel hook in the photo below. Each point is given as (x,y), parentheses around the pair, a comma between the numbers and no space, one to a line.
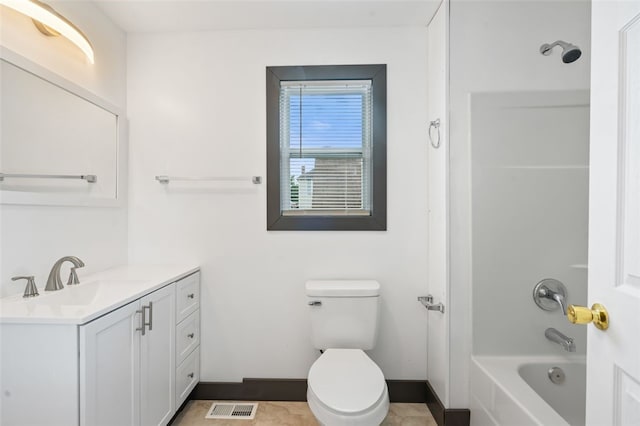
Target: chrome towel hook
(435,124)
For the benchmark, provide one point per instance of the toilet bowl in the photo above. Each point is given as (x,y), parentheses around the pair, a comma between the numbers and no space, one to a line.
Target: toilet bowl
(346,388)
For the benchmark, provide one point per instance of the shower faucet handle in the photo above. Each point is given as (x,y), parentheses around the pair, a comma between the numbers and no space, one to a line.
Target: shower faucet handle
(549,294)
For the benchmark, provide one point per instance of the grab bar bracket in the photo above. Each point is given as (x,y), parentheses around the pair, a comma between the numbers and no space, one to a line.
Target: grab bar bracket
(427,302)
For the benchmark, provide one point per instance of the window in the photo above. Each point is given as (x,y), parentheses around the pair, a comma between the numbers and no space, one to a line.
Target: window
(326,147)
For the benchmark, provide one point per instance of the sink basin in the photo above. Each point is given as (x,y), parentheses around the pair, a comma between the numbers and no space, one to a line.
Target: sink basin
(107,283)
(82,294)
(71,295)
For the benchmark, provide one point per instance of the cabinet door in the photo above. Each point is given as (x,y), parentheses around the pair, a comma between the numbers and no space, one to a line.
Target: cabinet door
(109,366)
(157,358)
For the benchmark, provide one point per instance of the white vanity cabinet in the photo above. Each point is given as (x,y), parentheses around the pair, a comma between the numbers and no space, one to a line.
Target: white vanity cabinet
(126,366)
(187,336)
(129,360)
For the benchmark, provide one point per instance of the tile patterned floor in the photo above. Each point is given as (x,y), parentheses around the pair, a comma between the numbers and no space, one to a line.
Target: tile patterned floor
(297,414)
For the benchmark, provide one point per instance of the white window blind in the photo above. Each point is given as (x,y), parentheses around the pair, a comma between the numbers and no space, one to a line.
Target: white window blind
(325,147)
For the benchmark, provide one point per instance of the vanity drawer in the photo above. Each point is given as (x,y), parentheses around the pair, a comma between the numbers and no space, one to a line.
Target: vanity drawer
(187,336)
(187,376)
(188,296)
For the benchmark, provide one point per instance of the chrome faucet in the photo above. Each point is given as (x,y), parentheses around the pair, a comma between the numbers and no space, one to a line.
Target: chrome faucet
(54,282)
(555,336)
(549,294)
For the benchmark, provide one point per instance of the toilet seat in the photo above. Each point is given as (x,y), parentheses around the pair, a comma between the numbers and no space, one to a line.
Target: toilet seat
(345,386)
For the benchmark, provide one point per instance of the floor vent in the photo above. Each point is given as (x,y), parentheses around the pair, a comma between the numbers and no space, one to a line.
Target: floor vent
(240,411)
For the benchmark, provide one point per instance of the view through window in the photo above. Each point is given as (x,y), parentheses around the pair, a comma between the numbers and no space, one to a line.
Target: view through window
(325,147)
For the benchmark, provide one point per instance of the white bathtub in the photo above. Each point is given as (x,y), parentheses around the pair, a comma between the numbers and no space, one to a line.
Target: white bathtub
(516,391)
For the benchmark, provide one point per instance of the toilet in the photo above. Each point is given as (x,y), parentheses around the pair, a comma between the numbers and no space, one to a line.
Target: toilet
(345,387)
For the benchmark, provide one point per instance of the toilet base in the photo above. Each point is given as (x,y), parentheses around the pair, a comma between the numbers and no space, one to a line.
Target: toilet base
(330,417)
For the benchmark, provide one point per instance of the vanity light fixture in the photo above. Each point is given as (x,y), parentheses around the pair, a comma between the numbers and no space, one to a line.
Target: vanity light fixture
(51,23)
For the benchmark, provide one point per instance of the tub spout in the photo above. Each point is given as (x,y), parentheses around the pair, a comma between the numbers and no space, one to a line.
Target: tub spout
(555,336)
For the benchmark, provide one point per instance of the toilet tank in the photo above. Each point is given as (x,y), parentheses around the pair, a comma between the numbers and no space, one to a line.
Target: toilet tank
(344,313)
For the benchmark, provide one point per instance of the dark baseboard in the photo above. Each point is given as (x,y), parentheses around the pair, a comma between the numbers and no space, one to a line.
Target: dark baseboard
(253,390)
(446,416)
(295,390)
(416,391)
(407,391)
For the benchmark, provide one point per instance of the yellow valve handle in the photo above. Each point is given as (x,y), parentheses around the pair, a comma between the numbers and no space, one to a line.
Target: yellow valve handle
(582,315)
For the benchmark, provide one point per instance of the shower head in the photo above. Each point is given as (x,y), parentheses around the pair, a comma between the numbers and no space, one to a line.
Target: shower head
(570,52)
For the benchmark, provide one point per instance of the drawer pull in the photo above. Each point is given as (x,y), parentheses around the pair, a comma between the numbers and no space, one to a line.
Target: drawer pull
(150,323)
(190,375)
(191,335)
(143,321)
(191,295)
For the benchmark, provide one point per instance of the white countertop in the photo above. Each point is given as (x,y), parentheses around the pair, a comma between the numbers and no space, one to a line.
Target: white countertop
(96,295)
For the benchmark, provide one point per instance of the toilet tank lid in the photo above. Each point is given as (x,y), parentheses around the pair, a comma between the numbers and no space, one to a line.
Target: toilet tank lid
(342,288)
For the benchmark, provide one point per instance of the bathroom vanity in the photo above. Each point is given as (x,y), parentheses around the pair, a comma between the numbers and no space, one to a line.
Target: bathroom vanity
(120,348)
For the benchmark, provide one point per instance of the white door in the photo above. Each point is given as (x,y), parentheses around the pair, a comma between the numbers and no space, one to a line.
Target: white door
(613,356)
(157,358)
(109,369)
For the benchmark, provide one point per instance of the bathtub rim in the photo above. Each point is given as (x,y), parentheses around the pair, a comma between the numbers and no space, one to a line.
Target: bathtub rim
(504,372)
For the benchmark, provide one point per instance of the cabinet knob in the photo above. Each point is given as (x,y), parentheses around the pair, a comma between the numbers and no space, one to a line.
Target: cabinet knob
(191,335)
(191,295)
(190,375)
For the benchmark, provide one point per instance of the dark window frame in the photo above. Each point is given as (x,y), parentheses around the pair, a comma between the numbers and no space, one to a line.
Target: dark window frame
(377,221)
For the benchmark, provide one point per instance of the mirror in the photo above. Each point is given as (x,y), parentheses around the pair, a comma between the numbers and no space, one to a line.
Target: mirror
(58,143)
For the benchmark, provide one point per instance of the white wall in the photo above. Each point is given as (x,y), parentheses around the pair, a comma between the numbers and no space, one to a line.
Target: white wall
(196,102)
(530,185)
(34,237)
(494,48)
